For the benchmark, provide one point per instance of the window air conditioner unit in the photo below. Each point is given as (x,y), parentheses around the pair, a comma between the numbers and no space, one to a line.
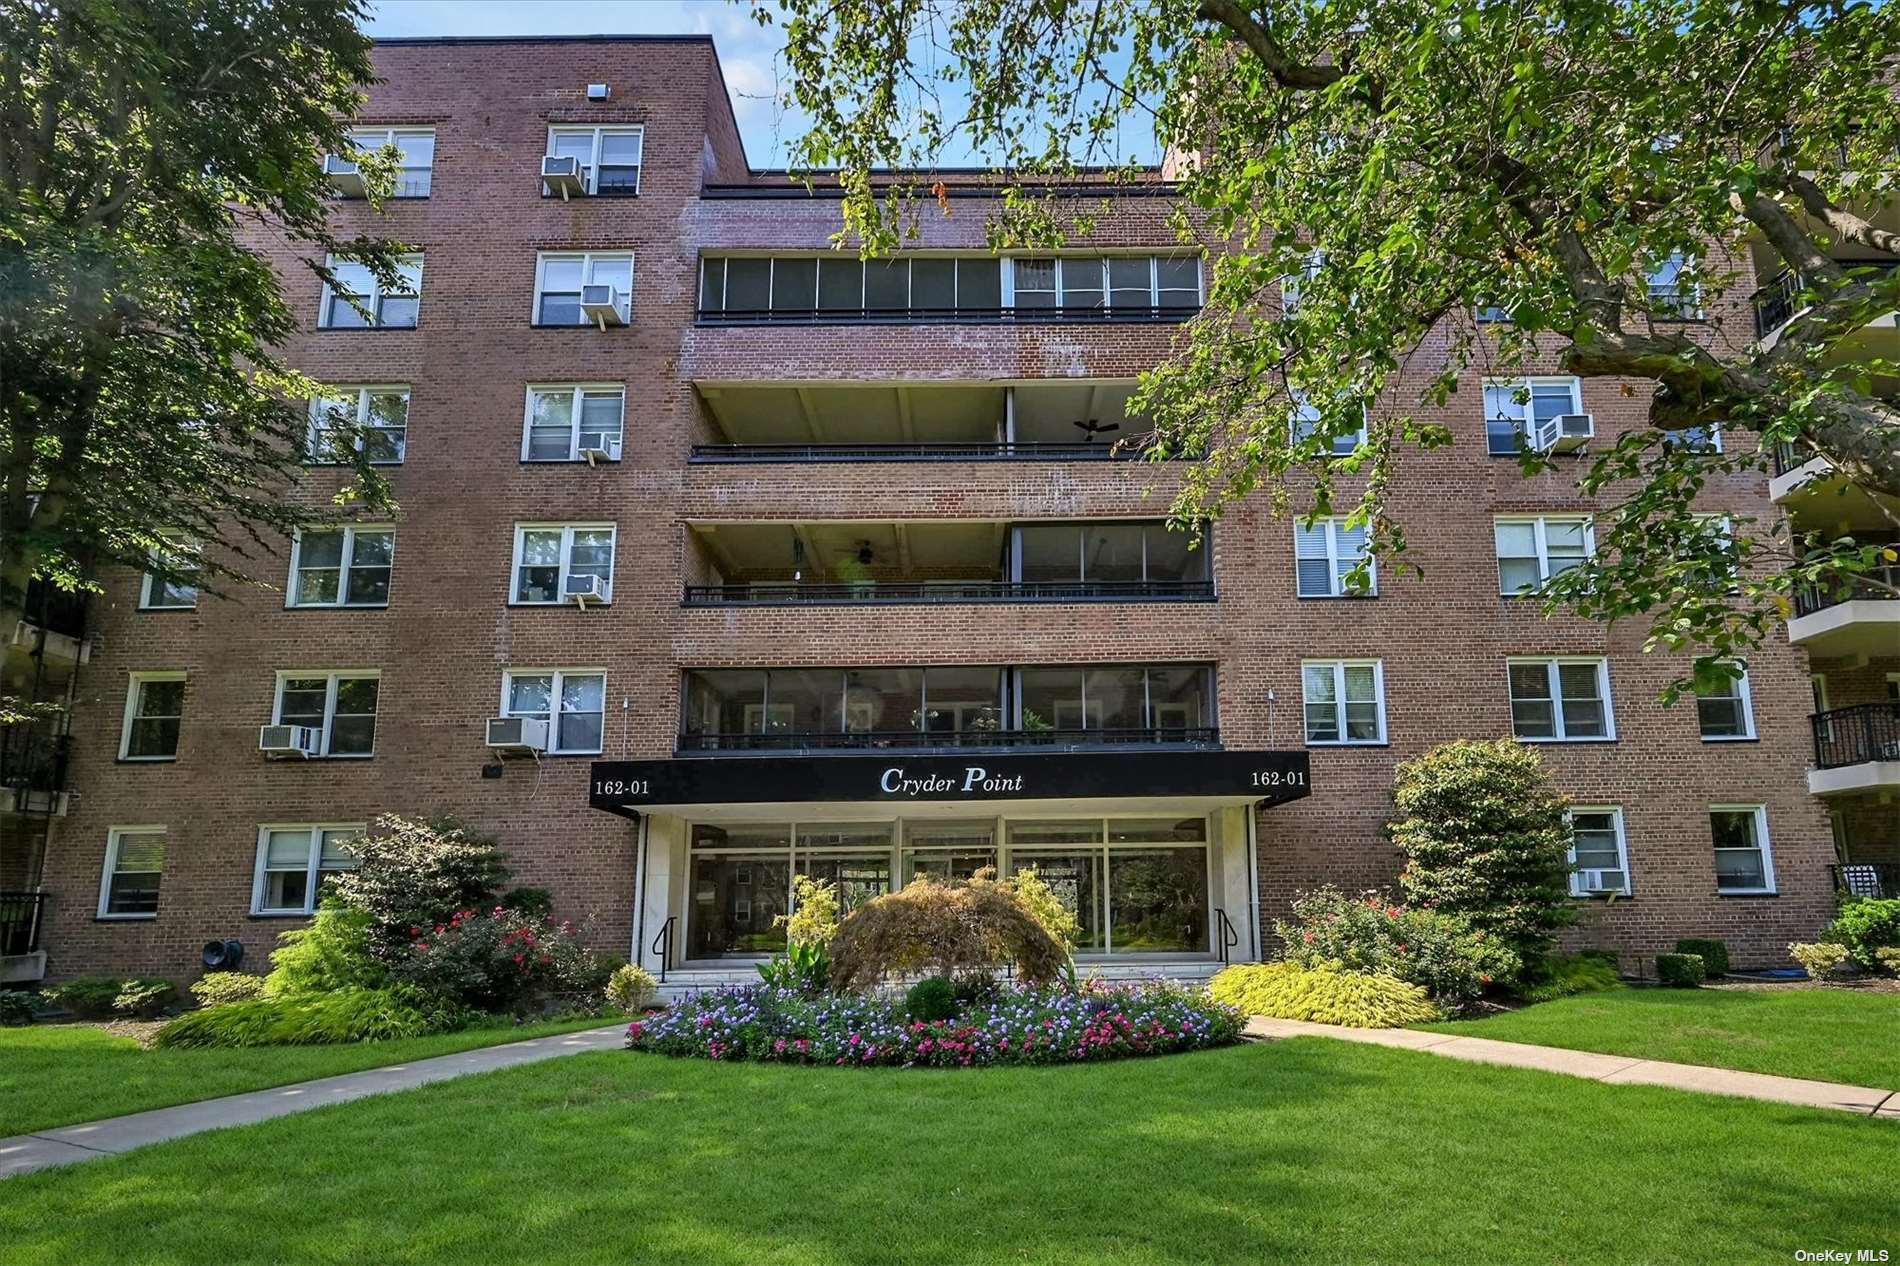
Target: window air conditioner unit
(562,175)
(1564,433)
(344,176)
(598,447)
(1600,880)
(282,742)
(581,590)
(518,734)
(601,305)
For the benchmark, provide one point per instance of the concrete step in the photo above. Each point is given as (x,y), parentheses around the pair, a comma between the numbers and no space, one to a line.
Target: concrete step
(681,981)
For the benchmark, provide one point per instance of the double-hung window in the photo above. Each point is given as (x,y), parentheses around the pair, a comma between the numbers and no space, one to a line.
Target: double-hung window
(1307,419)
(415,155)
(135,862)
(560,278)
(372,419)
(346,567)
(178,592)
(1345,701)
(1743,863)
(1674,293)
(565,424)
(609,157)
(552,561)
(154,710)
(1560,699)
(355,300)
(340,706)
(572,701)
(1514,409)
(1531,550)
(1599,852)
(1724,711)
(292,862)
(1324,556)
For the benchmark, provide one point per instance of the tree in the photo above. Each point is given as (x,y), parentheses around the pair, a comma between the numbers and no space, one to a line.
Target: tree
(145,417)
(1410,164)
(1485,838)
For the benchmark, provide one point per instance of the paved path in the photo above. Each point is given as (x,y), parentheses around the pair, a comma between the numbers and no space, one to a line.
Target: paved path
(69,1144)
(1614,1069)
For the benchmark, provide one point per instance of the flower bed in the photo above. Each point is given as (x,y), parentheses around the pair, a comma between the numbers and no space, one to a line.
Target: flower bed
(1018,1026)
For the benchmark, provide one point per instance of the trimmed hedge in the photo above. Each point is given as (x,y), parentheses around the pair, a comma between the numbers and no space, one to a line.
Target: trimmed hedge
(1683,971)
(1714,954)
(1288,991)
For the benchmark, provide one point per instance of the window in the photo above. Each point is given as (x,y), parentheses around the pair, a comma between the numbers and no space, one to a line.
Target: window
(558,282)
(154,709)
(348,567)
(356,300)
(1705,438)
(1599,854)
(415,155)
(135,860)
(1560,699)
(1324,556)
(1142,283)
(158,593)
(340,706)
(1674,293)
(1532,550)
(609,157)
(566,423)
(551,558)
(372,419)
(758,287)
(573,701)
(1345,701)
(1512,409)
(1134,555)
(1724,712)
(1292,284)
(1742,860)
(1307,420)
(291,864)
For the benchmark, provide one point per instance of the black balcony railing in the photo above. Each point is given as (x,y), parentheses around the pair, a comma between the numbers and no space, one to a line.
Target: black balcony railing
(20,917)
(54,609)
(1880,583)
(795,593)
(945,452)
(32,759)
(1866,879)
(1777,302)
(1853,736)
(962,316)
(953,740)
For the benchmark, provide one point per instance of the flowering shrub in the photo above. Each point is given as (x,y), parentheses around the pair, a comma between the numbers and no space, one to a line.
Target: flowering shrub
(1821,960)
(496,960)
(1440,953)
(1023,1025)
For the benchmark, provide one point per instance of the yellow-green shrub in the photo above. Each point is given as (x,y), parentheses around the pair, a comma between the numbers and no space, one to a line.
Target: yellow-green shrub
(1288,991)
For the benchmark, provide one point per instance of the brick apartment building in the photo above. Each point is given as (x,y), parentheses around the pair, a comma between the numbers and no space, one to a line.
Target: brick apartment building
(721,557)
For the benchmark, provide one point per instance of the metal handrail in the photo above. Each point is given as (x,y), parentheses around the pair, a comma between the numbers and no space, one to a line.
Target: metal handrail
(1227,935)
(1866,879)
(20,918)
(1856,735)
(923,740)
(1877,584)
(998,451)
(663,944)
(789,592)
(1170,314)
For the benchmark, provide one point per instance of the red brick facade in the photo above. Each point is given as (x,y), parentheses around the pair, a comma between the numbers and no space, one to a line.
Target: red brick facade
(448,633)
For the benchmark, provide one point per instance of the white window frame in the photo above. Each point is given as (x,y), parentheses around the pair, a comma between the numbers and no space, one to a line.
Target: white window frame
(374,299)
(1746,700)
(313,873)
(567,531)
(148,582)
(1062,287)
(575,391)
(1762,846)
(1622,849)
(331,677)
(1339,667)
(587,259)
(1528,384)
(1540,533)
(590,168)
(1550,664)
(314,442)
(1687,307)
(1336,586)
(344,566)
(374,138)
(134,684)
(558,678)
(114,837)
(1304,420)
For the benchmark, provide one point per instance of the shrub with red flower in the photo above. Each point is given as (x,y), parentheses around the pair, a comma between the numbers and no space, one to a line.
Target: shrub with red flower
(496,960)
(1439,952)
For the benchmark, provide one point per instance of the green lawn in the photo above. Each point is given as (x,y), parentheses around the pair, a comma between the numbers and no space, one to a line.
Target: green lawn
(62,1074)
(1303,1150)
(1825,1034)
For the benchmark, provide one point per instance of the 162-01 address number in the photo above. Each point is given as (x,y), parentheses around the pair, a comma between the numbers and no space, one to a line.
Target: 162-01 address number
(623,787)
(1279,778)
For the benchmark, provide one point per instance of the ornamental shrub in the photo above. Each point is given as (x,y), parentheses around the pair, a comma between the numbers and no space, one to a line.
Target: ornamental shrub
(1821,960)
(814,916)
(1441,953)
(412,873)
(1888,957)
(955,929)
(1322,994)
(494,960)
(1714,954)
(319,1019)
(215,988)
(1562,975)
(1040,900)
(17,1007)
(632,989)
(1682,971)
(1485,837)
(100,996)
(331,952)
(930,999)
(1864,926)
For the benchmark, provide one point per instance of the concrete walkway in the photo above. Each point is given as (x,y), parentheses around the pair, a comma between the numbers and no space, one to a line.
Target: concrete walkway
(70,1144)
(1614,1069)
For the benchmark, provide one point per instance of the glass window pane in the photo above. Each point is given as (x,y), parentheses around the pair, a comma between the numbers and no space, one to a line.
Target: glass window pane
(1117,698)
(561,274)
(620,149)
(712,284)
(887,285)
(1157,830)
(320,549)
(612,270)
(1081,281)
(1035,283)
(724,702)
(933,284)
(975,833)
(979,284)
(748,285)
(530,696)
(855,877)
(736,900)
(743,835)
(287,889)
(335,851)
(1051,698)
(1055,831)
(946,864)
(840,283)
(1157,900)
(1178,282)
(574,144)
(794,285)
(1733,828)
(1173,556)
(802,701)
(963,701)
(1049,552)
(1128,282)
(302,701)
(1075,879)
(1111,552)
(1178,698)
(286,848)
(883,700)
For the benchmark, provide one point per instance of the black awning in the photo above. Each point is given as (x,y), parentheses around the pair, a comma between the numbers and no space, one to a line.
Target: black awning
(631,787)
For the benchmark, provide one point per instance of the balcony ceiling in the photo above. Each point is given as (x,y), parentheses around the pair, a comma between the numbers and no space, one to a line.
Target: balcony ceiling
(912,413)
(764,551)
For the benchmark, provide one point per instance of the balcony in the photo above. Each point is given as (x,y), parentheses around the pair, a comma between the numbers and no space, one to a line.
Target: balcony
(33,769)
(1856,749)
(57,614)
(1812,491)
(1782,298)
(792,593)
(1054,740)
(1856,620)
(22,914)
(1866,879)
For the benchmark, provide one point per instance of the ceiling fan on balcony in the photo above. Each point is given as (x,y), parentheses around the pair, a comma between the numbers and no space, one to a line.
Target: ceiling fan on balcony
(1092,427)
